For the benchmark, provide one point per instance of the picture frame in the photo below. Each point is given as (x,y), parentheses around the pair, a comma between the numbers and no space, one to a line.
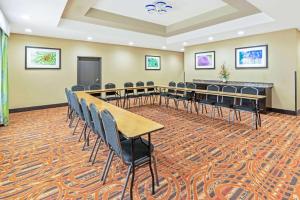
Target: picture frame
(252,57)
(42,58)
(152,62)
(205,60)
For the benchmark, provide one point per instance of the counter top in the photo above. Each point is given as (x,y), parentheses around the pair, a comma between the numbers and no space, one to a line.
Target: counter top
(235,83)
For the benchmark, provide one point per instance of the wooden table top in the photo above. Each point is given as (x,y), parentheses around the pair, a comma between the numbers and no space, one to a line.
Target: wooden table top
(198,91)
(129,124)
(220,93)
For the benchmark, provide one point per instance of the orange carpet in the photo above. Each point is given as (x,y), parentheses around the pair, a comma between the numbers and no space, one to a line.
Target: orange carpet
(198,158)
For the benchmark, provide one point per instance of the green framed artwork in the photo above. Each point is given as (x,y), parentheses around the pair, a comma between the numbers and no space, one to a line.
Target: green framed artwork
(42,58)
(152,62)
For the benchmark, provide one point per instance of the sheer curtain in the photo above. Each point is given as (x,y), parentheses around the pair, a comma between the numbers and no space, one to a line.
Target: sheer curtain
(3,79)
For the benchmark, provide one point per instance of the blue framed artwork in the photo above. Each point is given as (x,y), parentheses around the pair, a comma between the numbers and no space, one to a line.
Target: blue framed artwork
(205,60)
(251,57)
(152,62)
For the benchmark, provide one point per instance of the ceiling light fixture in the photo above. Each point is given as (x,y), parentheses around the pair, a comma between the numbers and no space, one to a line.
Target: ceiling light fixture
(89,38)
(211,38)
(28,30)
(164,47)
(241,33)
(159,7)
(182,49)
(184,43)
(131,43)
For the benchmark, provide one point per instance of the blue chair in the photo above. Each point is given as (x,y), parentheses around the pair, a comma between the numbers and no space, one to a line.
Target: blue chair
(180,95)
(141,92)
(151,91)
(95,86)
(77,113)
(122,149)
(112,95)
(88,122)
(77,88)
(69,111)
(227,102)
(98,130)
(169,94)
(249,105)
(210,99)
(129,94)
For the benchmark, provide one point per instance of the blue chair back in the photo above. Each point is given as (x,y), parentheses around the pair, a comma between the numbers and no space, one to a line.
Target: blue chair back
(171,84)
(128,85)
(68,96)
(180,85)
(140,84)
(210,96)
(229,100)
(96,86)
(98,126)
(111,132)
(248,102)
(76,105)
(190,94)
(77,88)
(110,86)
(87,114)
(150,83)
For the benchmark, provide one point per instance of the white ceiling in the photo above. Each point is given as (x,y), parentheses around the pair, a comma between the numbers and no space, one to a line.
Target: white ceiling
(182,9)
(45,20)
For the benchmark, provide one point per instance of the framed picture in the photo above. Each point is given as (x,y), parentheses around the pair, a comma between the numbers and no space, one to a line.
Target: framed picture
(205,60)
(42,58)
(251,57)
(152,62)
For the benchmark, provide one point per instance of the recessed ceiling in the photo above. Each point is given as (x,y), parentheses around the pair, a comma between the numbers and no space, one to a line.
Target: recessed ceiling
(182,9)
(61,20)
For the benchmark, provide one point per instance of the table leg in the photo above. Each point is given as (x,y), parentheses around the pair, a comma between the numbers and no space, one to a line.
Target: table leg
(133,167)
(150,164)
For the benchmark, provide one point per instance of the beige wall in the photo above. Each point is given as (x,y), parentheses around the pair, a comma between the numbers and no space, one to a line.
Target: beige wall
(119,64)
(282,64)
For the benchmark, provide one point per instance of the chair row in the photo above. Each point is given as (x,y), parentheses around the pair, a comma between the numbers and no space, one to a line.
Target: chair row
(217,102)
(104,126)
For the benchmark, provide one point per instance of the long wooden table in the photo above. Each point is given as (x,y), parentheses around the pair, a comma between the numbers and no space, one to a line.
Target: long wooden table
(197,91)
(131,125)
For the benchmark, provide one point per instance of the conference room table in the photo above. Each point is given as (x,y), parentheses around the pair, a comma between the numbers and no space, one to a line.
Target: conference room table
(131,125)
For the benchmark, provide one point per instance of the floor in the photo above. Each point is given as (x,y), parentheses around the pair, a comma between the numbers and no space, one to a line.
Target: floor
(198,158)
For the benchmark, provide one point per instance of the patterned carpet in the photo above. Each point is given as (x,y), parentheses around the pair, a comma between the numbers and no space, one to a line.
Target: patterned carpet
(198,158)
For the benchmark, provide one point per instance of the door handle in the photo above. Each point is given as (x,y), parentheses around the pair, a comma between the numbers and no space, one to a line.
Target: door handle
(97,79)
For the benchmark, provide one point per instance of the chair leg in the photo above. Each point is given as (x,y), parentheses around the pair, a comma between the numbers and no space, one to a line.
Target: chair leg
(96,142)
(196,108)
(108,168)
(221,111)
(76,126)
(68,113)
(126,181)
(155,170)
(95,156)
(240,118)
(106,164)
(87,141)
(83,132)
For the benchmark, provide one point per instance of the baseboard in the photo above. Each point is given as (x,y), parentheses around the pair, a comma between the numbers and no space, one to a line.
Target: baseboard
(15,110)
(282,111)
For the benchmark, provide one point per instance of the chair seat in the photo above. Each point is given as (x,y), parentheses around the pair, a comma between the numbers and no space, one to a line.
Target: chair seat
(132,96)
(140,149)
(111,98)
(173,96)
(207,101)
(225,104)
(245,108)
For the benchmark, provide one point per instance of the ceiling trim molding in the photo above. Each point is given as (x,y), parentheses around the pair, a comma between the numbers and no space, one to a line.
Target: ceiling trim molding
(82,11)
